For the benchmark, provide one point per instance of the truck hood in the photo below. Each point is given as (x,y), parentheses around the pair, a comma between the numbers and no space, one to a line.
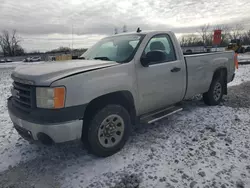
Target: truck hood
(45,73)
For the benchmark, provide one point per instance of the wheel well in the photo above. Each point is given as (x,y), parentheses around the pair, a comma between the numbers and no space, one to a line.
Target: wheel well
(123,98)
(221,73)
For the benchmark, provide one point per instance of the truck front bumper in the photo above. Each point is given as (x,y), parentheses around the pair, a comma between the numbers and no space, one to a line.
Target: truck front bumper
(61,132)
(35,129)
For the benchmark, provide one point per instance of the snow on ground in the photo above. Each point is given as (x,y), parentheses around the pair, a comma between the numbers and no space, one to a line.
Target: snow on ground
(241,75)
(244,57)
(199,147)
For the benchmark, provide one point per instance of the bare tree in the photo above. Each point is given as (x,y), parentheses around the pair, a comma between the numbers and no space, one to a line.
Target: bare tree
(236,31)
(124,29)
(204,33)
(246,38)
(190,40)
(10,43)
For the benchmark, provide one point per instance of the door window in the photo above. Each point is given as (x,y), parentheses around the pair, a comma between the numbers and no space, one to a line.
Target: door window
(162,43)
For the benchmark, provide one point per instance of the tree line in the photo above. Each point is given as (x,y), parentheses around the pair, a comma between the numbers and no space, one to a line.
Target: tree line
(66,50)
(124,29)
(204,35)
(10,45)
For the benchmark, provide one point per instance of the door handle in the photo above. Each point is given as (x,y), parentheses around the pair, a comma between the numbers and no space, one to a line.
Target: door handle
(175,69)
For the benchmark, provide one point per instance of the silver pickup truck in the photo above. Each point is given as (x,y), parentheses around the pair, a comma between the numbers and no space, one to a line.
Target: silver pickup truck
(120,80)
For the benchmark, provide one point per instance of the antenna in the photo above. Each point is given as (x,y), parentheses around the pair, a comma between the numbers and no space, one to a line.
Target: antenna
(138,30)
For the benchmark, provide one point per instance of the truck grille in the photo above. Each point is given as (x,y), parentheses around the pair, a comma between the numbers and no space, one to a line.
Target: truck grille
(23,96)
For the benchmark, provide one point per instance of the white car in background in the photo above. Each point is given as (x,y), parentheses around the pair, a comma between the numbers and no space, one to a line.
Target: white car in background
(32,59)
(5,60)
(35,59)
(8,60)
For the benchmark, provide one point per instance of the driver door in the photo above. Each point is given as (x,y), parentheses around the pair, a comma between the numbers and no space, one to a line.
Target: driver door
(160,84)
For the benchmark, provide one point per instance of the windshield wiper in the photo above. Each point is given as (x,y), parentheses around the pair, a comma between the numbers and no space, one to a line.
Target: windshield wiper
(103,58)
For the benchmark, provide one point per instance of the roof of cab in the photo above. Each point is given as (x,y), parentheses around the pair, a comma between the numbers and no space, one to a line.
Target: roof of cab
(142,32)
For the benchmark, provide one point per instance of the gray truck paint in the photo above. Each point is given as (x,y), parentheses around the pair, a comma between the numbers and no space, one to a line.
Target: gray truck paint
(152,87)
(200,70)
(45,74)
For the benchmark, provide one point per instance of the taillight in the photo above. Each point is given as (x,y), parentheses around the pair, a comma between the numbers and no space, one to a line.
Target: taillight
(236,60)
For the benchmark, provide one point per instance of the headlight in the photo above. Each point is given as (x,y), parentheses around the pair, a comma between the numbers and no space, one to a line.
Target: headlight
(52,98)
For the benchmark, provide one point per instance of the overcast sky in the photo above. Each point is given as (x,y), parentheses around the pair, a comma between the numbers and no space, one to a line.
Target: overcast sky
(47,24)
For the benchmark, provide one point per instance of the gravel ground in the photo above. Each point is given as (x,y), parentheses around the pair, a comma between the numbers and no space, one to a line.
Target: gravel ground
(199,147)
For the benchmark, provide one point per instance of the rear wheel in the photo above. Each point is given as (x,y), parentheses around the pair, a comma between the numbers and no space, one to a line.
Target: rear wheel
(215,92)
(108,130)
(243,50)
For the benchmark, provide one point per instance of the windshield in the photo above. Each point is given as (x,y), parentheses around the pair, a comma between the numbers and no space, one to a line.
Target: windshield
(119,48)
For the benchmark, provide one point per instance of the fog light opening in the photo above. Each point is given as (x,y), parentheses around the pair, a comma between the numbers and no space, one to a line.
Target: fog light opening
(44,139)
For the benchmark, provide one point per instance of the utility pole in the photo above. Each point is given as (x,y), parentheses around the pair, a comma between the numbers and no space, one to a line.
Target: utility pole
(72,38)
(116,31)
(124,29)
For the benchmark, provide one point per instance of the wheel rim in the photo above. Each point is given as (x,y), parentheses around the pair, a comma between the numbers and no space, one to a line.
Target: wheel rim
(111,131)
(217,91)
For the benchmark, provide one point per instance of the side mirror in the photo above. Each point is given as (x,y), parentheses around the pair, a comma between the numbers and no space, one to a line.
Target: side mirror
(144,61)
(152,57)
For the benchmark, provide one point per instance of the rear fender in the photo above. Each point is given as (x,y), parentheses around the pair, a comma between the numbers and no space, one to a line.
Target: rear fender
(221,72)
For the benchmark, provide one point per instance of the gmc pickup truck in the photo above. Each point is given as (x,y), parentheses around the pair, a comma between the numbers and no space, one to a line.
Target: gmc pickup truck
(120,80)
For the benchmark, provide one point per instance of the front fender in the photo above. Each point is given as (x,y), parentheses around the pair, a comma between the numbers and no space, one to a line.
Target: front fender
(83,88)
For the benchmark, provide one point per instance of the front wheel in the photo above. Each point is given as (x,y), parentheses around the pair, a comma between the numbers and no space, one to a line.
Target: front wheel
(215,92)
(108,130)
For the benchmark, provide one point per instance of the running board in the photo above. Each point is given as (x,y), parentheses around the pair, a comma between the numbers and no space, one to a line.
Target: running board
(161,114)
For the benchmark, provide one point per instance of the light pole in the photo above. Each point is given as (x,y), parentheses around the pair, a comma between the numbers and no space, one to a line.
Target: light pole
(72,37)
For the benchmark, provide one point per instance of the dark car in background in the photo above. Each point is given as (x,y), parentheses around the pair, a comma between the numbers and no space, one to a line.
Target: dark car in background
(248,49)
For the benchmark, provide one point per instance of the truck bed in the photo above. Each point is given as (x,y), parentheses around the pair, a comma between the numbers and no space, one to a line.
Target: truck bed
(200,69)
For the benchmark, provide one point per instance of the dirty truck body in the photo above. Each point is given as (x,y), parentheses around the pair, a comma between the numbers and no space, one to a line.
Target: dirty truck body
(121,79)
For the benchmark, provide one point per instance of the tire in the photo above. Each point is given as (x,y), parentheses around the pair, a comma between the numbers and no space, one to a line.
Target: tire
(215,93)
(243,50)
(108,130)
